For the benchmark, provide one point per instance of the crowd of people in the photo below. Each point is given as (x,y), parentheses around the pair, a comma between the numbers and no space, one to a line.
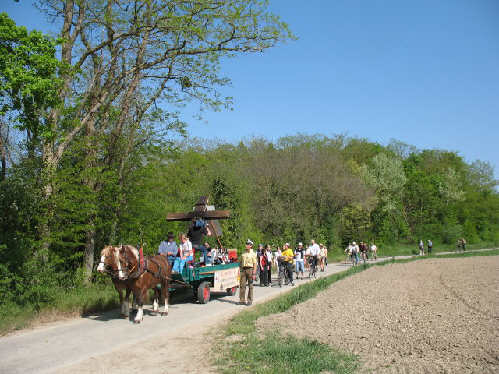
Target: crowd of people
(360,252)
(285,260)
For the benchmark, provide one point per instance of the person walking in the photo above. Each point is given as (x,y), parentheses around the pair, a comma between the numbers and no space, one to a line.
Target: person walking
(306,259)
(262,264)
(288,254)
(430,246)
(299,258)
(421,248)
(322,256)
(374,250)
(268,254)
(276,256)
(247,272)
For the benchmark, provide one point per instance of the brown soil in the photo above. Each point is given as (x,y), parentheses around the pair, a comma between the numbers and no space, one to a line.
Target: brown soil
(431,316)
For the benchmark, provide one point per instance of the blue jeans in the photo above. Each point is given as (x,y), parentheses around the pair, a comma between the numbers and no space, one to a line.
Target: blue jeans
(171,260)
(299,266)
(179,264)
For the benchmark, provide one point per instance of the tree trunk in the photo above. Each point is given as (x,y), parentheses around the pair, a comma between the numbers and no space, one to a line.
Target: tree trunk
(3,155)
(89,253)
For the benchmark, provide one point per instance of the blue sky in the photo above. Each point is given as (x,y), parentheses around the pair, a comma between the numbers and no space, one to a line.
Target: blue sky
(423,72)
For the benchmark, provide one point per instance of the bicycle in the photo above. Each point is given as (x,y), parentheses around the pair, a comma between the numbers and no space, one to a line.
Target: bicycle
(313,267)
(283,272)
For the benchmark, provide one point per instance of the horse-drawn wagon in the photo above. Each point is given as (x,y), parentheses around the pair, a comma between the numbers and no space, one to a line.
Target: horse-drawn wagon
(204,280)
(132,272)
(207,279)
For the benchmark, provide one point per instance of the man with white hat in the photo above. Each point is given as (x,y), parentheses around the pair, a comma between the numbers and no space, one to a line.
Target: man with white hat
(247,272)
(299,257)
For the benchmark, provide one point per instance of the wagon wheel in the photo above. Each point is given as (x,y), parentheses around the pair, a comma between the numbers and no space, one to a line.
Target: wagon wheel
(231,291)
(204,292)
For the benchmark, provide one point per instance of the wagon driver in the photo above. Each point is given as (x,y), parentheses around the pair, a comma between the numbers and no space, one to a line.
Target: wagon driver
(247,272)
(169,248)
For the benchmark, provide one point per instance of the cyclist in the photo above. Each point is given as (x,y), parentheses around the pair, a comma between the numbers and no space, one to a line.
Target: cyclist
(313,257)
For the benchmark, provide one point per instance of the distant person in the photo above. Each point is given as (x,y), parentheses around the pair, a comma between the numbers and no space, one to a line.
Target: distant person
(276,256)
(268,254)
(307,259)
(374,250)
(348,252)
(363,251)
(430,246)
(247,272)
(169,248)
(262,264)
(421,248)
(314,252)
(355,250)
(288,254)
(322,256)
(299,259)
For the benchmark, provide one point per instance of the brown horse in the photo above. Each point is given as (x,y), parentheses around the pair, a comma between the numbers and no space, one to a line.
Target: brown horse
(123,264)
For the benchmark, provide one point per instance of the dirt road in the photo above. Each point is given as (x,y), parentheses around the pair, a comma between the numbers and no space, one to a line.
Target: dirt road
(108,344)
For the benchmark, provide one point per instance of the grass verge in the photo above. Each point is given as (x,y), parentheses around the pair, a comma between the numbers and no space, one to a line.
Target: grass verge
(75,302)
(241,349)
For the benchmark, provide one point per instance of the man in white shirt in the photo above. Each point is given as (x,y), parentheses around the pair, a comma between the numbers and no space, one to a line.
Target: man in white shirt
(374,250)
(314,251)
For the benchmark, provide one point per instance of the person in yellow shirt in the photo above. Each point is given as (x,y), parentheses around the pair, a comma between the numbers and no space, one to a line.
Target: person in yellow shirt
(247,272)
(288,254)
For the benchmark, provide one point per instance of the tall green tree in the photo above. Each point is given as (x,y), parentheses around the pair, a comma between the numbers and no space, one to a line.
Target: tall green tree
(135,54)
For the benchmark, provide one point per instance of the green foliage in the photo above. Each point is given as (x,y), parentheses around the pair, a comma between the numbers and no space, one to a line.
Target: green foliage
(28,81)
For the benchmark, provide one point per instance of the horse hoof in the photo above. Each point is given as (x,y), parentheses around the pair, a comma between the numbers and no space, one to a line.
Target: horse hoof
(136,321)
(163,314)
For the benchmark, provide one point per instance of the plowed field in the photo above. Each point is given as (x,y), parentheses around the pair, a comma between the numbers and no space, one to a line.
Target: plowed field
(430,316)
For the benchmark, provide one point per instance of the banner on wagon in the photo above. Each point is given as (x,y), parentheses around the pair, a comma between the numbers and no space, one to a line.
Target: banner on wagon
(227,278)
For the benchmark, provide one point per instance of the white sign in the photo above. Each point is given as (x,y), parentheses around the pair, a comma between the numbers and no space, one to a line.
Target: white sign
(225,279)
